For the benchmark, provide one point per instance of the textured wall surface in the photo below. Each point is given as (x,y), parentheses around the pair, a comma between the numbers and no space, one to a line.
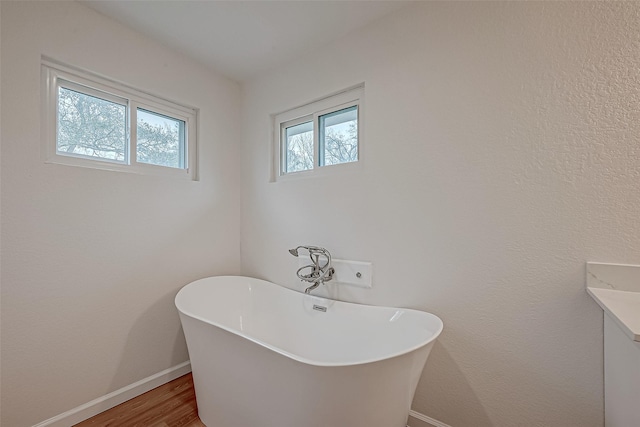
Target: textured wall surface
(92,259)
(501,153)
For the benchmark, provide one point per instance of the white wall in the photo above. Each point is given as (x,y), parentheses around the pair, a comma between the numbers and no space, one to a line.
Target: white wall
(501,154)
(91,259)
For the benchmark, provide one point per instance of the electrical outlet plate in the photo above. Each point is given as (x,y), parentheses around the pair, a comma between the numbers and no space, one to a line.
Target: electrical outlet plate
(355,273)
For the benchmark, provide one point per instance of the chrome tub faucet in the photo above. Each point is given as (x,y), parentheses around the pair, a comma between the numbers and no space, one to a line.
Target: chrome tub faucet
(319,271)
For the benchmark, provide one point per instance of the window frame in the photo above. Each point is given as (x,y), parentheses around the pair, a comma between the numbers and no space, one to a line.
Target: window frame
(283,143)
(353,96)
(85,90)
(55,75)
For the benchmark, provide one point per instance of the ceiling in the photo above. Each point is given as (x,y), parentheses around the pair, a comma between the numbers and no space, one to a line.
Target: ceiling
(242,39)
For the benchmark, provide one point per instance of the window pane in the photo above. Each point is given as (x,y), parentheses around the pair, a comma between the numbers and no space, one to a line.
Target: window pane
(299,147)
(339,137)
(160,140)
(90,126)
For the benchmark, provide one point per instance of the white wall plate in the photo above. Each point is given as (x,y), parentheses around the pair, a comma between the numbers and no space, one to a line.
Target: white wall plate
(356,273)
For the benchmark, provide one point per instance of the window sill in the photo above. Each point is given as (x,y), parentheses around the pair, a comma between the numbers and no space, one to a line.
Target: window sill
(321,172)
(137,169)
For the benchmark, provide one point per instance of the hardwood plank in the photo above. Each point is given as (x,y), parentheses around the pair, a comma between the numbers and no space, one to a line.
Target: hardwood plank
(170,405)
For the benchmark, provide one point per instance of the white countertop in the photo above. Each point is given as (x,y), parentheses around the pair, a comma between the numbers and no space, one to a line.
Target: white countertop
(616,288)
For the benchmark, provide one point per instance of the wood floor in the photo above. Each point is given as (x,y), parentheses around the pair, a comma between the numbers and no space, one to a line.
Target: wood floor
(170,405)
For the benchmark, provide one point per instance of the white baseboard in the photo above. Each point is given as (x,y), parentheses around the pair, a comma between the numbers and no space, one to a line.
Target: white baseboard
(416,419)
(101,404)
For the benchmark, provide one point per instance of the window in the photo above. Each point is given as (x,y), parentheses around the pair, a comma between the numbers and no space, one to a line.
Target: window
(93,122)
(323,133)
(161,139)
(339,136)
(298,147)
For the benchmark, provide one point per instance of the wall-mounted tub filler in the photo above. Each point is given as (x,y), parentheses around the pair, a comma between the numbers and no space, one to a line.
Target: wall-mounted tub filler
(319,271)
(264,355)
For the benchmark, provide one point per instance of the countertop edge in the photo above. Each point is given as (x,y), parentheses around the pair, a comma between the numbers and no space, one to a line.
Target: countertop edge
(625,328)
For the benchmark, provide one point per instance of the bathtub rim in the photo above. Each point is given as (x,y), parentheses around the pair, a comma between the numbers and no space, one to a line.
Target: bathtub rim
(299,358)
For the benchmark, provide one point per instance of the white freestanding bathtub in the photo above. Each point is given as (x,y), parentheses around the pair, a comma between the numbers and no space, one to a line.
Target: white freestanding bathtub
(263,355)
